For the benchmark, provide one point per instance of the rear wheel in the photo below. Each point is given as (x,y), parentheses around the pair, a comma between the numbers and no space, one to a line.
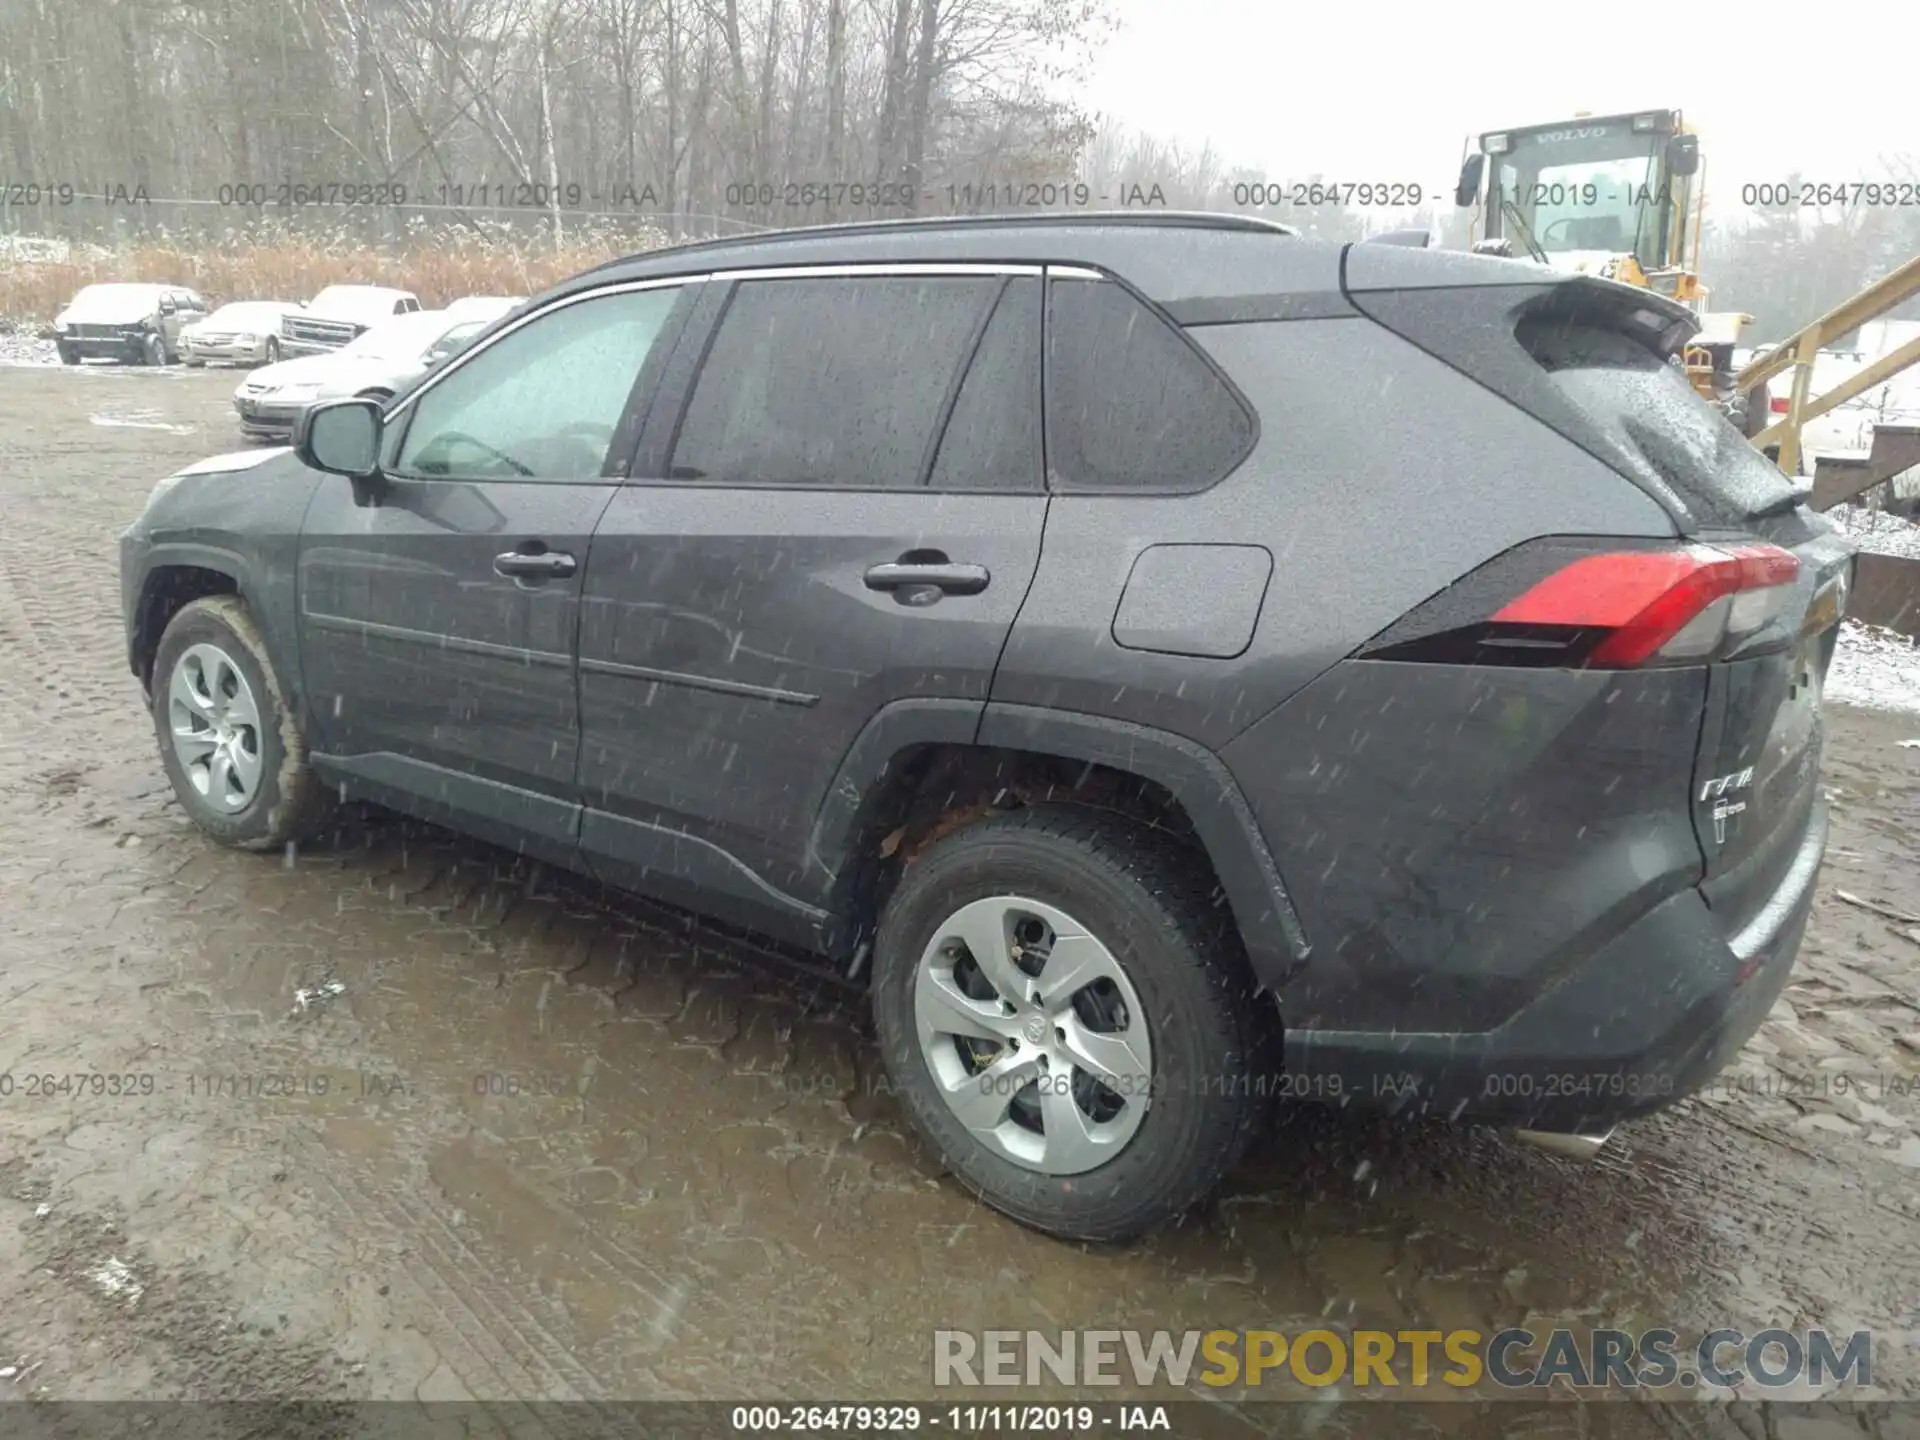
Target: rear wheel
(1070,1020)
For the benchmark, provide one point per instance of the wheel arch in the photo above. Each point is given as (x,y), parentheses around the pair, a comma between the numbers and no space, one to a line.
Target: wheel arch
(920,767)
(173,578)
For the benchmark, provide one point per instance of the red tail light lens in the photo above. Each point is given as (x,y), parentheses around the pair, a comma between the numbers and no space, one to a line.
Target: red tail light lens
(1609,610)
(1650,599)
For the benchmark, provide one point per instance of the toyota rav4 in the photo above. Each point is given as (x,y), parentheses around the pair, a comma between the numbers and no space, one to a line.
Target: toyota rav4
(1157,654)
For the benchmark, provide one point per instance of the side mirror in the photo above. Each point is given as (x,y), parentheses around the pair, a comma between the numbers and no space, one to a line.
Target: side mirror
(1467,192)
(1683,155)
(342,437)
(167,307)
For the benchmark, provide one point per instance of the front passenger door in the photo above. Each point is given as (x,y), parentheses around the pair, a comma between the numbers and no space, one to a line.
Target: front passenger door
(438,626)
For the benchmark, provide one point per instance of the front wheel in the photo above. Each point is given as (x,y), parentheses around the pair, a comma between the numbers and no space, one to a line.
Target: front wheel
(68,355)
(1070,1020)
(231,746)
(153,350)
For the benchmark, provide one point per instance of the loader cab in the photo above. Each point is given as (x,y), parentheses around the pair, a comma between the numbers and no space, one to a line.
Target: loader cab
(1610,195)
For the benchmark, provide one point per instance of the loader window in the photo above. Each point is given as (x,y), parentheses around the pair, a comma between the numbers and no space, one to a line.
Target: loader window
(1580,191)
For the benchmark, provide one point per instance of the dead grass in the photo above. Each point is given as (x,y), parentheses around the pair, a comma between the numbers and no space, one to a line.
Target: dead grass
(438,267)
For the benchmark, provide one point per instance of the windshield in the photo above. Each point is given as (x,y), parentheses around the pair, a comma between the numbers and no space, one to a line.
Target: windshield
(251,314)
(456,339)
(1581,187)
(405,337)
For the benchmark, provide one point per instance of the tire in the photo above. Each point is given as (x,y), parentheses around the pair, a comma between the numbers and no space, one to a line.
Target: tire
(273,351)
(68,355)
(286,801)
(153,351)
(1149,910)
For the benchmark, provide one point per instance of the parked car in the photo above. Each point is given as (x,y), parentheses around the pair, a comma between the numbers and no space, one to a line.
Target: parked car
(244,332)
(1249,719)
(340,314)
(488,307)
(130,321)
(270,401)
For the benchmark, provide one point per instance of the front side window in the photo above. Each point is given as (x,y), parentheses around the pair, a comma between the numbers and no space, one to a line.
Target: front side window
(541,403)
(837,382)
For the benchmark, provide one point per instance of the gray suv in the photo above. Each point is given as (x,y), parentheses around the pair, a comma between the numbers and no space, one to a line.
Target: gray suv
(1174,663)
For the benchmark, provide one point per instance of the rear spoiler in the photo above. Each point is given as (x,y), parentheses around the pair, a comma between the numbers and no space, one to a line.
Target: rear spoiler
(1664,326)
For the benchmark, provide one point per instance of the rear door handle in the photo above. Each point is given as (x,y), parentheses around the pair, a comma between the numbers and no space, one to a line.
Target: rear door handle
(944,576)
(541,565)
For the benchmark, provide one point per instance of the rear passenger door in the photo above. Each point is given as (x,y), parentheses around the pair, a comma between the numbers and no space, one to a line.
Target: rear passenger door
(838,507)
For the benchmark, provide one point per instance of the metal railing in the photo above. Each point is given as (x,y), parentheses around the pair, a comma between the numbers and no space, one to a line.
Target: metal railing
(1800,349)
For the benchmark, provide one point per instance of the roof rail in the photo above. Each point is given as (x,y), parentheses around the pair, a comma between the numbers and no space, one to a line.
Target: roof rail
(1143,219)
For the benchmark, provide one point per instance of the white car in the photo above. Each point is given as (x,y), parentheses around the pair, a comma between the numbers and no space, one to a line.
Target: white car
(244,332)
(340,314)
(271,401)
(484,307)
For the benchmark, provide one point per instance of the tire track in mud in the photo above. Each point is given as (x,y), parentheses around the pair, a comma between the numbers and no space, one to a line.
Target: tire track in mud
(471,1305)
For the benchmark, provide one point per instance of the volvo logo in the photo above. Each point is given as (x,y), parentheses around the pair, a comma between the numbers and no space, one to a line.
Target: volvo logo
(1579,132)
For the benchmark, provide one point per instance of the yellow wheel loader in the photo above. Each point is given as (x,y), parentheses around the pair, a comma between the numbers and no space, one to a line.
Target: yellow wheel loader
(1617,196)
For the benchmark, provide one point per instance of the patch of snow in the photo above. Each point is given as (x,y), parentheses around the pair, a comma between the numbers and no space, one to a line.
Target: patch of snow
(116,1277)
(1875,668)
(141,420)
(21,349)
(1877,531)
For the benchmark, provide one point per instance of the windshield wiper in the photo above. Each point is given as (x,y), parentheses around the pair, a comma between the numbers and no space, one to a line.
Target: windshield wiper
(1512,212)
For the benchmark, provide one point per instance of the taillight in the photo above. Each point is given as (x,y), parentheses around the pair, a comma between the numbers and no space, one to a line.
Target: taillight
(1608,609)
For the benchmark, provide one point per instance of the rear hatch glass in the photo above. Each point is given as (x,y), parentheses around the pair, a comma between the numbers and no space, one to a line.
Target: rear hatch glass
(1658,423)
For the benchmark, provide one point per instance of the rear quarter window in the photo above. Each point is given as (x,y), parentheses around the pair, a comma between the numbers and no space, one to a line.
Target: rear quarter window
(1131,404)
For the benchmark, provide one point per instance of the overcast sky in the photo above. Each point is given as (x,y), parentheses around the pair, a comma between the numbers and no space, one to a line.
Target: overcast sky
(1359,92)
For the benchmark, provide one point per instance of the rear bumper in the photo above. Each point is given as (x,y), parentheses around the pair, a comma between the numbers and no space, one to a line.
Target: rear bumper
(1649,1018)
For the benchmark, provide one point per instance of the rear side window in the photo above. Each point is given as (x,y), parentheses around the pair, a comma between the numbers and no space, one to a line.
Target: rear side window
(1657,421)
(1131,405)
(992,439)
(833,382)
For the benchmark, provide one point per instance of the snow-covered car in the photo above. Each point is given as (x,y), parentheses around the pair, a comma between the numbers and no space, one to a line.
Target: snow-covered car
(244,332)
(271,400)
(340,314)
(135,322)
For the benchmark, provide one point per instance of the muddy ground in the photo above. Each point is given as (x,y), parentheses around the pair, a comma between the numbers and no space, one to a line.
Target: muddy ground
(573,1146)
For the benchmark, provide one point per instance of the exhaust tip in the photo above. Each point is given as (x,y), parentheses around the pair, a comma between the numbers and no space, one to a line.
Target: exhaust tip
(1576,1147)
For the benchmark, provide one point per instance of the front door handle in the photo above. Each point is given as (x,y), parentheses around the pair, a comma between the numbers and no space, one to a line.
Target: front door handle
(944,576)
(537,565)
